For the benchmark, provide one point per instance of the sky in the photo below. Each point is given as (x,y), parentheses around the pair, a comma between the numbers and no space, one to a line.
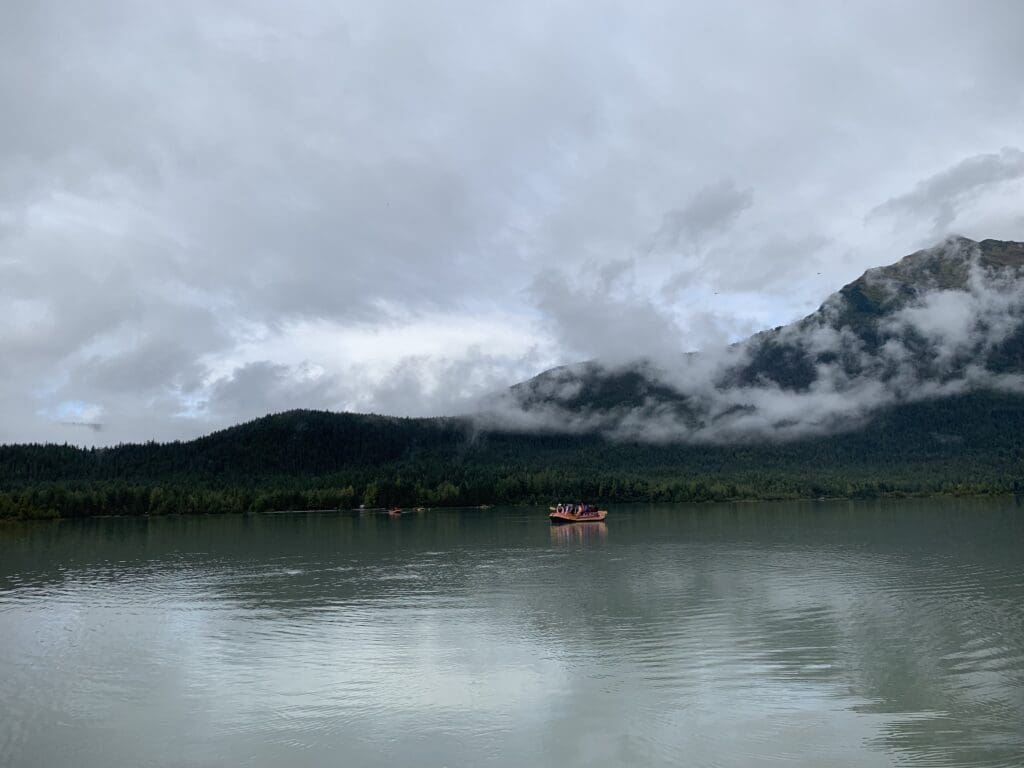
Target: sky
(209,212)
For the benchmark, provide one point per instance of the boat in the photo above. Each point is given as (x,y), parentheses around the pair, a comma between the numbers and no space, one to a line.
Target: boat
(395,511)
(567,514)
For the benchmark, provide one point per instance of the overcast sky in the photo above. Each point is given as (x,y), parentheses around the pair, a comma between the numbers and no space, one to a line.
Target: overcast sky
(210,211)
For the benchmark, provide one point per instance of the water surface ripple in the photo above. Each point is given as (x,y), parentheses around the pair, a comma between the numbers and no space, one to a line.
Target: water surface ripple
(840,634)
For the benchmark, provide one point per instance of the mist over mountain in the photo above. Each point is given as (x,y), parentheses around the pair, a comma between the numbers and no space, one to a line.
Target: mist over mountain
(943,321)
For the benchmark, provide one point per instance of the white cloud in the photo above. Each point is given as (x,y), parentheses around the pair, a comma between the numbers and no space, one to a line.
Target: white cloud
(943,195)
(819,375)
(188,190)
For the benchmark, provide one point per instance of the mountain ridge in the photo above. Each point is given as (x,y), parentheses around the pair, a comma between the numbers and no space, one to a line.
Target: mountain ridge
(889,336)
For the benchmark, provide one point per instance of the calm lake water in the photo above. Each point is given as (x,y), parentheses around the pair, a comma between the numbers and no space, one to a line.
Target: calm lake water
(839,634)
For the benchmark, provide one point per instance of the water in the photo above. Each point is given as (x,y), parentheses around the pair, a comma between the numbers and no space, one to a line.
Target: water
(840,634)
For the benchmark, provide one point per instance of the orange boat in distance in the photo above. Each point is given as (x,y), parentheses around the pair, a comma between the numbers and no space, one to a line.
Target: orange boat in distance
(576,513)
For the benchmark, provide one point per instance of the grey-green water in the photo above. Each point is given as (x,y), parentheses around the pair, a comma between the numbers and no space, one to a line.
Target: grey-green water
(837,634)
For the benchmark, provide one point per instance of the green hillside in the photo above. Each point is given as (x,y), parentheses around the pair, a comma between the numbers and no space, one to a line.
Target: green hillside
(309,459)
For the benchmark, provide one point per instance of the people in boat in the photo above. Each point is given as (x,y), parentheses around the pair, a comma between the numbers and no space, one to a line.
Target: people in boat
(578,510)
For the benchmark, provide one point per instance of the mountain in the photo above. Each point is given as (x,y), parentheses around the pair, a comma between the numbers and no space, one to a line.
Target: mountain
(944,320)
(907,380)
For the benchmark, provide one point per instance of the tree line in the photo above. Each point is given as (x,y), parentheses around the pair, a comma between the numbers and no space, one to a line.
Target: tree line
(972,444)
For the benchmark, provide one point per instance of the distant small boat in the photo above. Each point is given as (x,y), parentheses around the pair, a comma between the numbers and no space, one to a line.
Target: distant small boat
(563,514)
(395,511)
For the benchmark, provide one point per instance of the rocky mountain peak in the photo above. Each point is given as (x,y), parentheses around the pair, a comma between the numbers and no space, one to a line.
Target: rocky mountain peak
(940,321)
(946,266)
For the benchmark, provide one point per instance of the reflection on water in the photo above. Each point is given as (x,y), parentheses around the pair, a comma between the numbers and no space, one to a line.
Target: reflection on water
(590,532)
(733,635)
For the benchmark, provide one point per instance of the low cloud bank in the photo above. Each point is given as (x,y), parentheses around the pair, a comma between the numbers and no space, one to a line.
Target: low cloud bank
(943,321)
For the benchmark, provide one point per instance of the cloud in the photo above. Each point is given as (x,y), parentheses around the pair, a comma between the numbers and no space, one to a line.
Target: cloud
(942,196)
(710,210)
(181,188)
(426,386)
(932,334)
(602,315)
(256,389)
(413,385)
(750,265)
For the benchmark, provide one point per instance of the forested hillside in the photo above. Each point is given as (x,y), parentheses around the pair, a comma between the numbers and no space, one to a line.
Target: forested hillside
(314,460)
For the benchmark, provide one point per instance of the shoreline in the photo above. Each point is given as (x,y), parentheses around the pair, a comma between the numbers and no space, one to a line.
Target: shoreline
(383,511)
